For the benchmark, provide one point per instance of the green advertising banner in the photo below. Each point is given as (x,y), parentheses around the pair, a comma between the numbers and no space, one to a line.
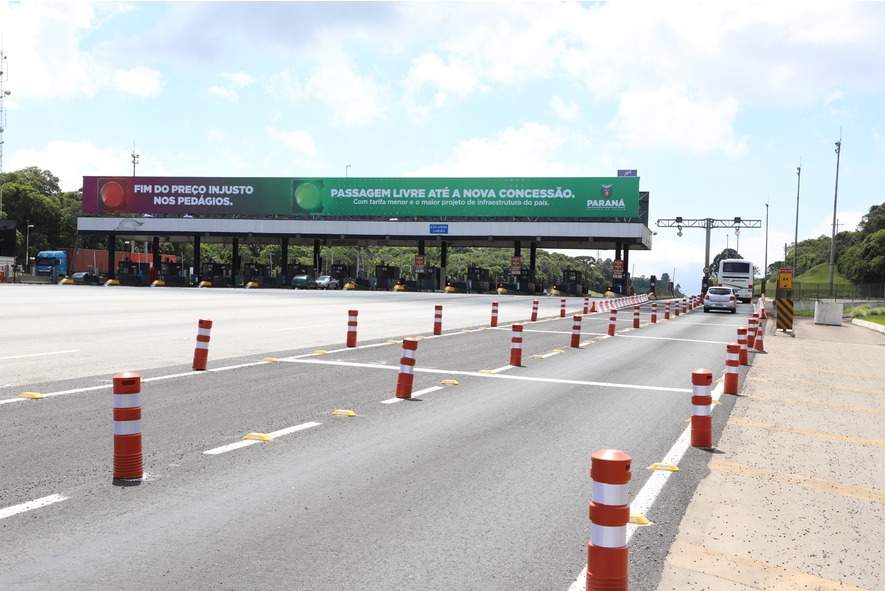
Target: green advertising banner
(579,197)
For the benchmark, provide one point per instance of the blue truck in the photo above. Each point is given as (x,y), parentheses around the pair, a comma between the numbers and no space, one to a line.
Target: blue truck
(51,263)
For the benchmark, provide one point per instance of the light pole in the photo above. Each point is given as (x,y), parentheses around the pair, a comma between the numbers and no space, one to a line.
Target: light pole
(28,249)
(765,270)
(134,158)
(796,236)
(346,171)
(835,200)
(737,233)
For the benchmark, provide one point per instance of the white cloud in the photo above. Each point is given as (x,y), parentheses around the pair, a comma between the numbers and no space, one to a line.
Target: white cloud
(239,78)
(298,140)
(227,94)
(568,111)
(216,135)
(670,116)
(143,82)
(71,161)
(527,151)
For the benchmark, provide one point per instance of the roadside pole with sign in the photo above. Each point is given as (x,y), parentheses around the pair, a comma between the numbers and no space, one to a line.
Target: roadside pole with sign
(784,300)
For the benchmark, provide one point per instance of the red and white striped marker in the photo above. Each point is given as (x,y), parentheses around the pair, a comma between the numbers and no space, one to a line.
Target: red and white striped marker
(494,321)
(701,405)
(751,332)
(732,362)
(586,305)
(742,341)
(607,553)
(676,309)
(516,345)
(635,316)
(201,351)
(654,312)
(128,456)
(406,376)
(612,322)
(437,319)
(685,305)
(534,310)
(667,311)
(351,327)
(576,332)
(562,308)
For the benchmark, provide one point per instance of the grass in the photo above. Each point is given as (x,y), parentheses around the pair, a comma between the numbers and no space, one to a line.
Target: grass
(868,313)
(817,274)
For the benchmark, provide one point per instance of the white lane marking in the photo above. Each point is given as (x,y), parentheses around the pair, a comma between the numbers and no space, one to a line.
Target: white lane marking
(39,354)
(625,336)
(646,497)
(327,325)
(490,375)
(418,393)
(35,504)
(248,442)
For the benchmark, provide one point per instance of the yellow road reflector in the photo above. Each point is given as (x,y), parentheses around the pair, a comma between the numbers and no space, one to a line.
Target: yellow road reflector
(557,351)
(33,395)
(537,357)
(720,380)
(638,519)
(259,436)
(449,382)
(664,467)
(270,359)
(320,352)
(343,413)
(391,342)
(716,402)
(486,371)
(420,337)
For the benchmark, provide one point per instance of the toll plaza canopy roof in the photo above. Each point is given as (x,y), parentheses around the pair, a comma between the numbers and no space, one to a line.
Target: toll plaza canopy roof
(583,212)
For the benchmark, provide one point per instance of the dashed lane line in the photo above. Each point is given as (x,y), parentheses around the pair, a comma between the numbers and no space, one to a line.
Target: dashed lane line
(248,442)
(31,505)
(414,394)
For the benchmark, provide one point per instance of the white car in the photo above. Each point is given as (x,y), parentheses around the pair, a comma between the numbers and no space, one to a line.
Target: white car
(720,298)
(328,282)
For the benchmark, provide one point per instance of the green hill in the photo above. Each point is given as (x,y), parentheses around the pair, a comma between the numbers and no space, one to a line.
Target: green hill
(817,274)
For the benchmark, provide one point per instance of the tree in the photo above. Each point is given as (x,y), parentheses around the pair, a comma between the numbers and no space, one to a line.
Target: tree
(728,253)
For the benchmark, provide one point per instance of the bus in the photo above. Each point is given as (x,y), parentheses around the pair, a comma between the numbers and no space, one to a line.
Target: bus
(738,275)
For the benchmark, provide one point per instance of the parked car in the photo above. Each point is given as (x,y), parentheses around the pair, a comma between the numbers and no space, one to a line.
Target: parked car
(328,282)
(304,282)
(720,298)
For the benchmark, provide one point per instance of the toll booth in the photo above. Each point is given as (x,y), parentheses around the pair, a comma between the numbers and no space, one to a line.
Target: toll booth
(522,283)
(342,272)
(171,273)
(218,273)
(386,276)
(258,273)
(430,279)
(572,283)
(652,285)
(132,273)
(478,280)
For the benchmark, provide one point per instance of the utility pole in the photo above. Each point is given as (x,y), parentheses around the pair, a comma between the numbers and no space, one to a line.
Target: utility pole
(708,224)
(3,94)
(796,237)
(835,200)
(134,158)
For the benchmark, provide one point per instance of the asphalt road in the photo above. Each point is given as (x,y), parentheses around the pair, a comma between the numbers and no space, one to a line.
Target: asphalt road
(481,485)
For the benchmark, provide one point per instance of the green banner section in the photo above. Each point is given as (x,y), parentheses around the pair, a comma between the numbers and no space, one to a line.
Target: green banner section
(578,197)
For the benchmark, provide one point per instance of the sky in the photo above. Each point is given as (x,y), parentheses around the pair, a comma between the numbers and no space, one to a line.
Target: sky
(715,104)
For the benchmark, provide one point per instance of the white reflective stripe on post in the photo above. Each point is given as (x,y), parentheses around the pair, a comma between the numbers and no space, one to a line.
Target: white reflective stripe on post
(127,427)
(202,345)
(701,410)
(127,400)
(700,390)
(409,353)
(516,345)
(605,536)
(406,369)
(610,494)
(203,332)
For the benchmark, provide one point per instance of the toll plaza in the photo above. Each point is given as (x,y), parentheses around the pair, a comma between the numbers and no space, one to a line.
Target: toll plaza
(521,214)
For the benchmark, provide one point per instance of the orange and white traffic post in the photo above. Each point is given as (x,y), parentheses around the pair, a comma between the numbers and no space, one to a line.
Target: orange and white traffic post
(742,341)
(758,344)
(406,376)
(654,312)
(201,351)
(607,552)
(128,456)
(701,406)
(437,319)
(576,332)
(732,362)
(751,332)
(635,316)
(676,309)
(586,305)
(534,310)
(351,327)
(612,322)
(516,345)
(562,308)
(667,311)
(494,321)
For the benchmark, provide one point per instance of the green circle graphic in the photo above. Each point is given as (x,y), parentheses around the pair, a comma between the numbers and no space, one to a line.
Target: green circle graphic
(307,195)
